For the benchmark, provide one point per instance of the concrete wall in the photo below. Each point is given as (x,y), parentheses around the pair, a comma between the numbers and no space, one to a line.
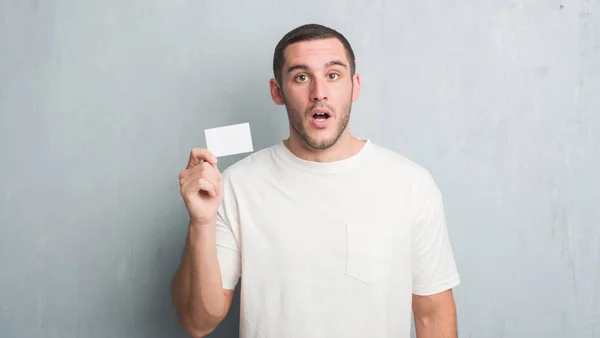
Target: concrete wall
(101,101)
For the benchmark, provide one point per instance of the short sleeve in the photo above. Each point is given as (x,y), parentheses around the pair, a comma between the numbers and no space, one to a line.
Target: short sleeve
(434,267)
(227,234)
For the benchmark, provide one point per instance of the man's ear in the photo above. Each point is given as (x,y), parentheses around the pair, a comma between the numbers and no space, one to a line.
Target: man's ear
(276,93)
(355,87)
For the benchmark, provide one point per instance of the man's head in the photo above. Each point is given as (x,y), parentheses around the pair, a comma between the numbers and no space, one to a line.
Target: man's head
(314,70)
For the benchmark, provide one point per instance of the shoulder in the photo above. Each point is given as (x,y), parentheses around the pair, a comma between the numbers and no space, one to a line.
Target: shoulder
(423,194)
(241,177)
(254,164)
(412,178)
(400,166)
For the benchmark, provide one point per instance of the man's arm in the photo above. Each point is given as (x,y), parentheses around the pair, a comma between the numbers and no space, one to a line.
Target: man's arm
(434,269)
(198,296)
(435,315)
(197,288)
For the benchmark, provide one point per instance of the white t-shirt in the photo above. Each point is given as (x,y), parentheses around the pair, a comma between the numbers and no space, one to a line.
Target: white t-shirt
(331,249)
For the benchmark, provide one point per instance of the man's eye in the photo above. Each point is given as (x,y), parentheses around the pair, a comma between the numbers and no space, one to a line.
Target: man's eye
(301,78)
(334,76)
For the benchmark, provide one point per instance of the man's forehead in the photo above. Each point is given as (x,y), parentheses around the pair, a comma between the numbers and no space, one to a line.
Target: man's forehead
(315,51)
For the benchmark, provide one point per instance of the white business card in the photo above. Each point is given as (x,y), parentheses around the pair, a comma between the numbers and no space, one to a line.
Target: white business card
(229,140)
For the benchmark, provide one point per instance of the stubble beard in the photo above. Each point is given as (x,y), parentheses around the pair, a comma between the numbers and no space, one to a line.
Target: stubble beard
(295,118)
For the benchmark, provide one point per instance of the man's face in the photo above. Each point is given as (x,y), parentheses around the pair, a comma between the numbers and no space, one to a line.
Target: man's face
(317,89)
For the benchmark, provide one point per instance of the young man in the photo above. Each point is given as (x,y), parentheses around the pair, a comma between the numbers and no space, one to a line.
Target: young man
(332,236)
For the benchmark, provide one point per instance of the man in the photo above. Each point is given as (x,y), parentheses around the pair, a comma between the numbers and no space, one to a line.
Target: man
(332,236)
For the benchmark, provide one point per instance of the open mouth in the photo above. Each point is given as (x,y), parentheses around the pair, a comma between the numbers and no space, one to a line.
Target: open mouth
(320,116)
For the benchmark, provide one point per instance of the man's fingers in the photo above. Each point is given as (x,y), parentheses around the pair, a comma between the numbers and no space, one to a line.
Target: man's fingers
(195,179)
(202,167)
(207,186)
(198,155)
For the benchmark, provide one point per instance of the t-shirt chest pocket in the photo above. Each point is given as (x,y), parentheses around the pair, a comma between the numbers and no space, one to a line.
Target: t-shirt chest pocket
(368,251)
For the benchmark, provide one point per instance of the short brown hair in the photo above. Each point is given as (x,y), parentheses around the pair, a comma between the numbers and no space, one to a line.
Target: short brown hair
(305,33)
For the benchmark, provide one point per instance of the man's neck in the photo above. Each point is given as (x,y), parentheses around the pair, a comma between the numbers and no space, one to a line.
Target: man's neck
(346,146)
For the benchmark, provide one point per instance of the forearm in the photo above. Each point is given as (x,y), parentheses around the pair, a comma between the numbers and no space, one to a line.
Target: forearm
(197,287)
(436,325)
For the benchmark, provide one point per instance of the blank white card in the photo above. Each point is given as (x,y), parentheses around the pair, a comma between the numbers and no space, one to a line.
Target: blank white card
(229,140)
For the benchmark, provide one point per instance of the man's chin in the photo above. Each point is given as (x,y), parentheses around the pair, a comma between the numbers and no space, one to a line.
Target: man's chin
(320,143)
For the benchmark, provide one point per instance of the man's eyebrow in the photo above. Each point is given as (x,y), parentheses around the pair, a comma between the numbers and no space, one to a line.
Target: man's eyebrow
(335,63)
(327,65)
(294,67)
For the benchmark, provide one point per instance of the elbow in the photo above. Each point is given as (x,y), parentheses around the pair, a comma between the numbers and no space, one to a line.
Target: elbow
(193,331)
(197,320)
(199,323)
(198,328)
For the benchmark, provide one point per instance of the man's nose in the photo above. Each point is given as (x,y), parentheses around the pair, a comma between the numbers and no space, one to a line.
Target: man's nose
(319,90)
